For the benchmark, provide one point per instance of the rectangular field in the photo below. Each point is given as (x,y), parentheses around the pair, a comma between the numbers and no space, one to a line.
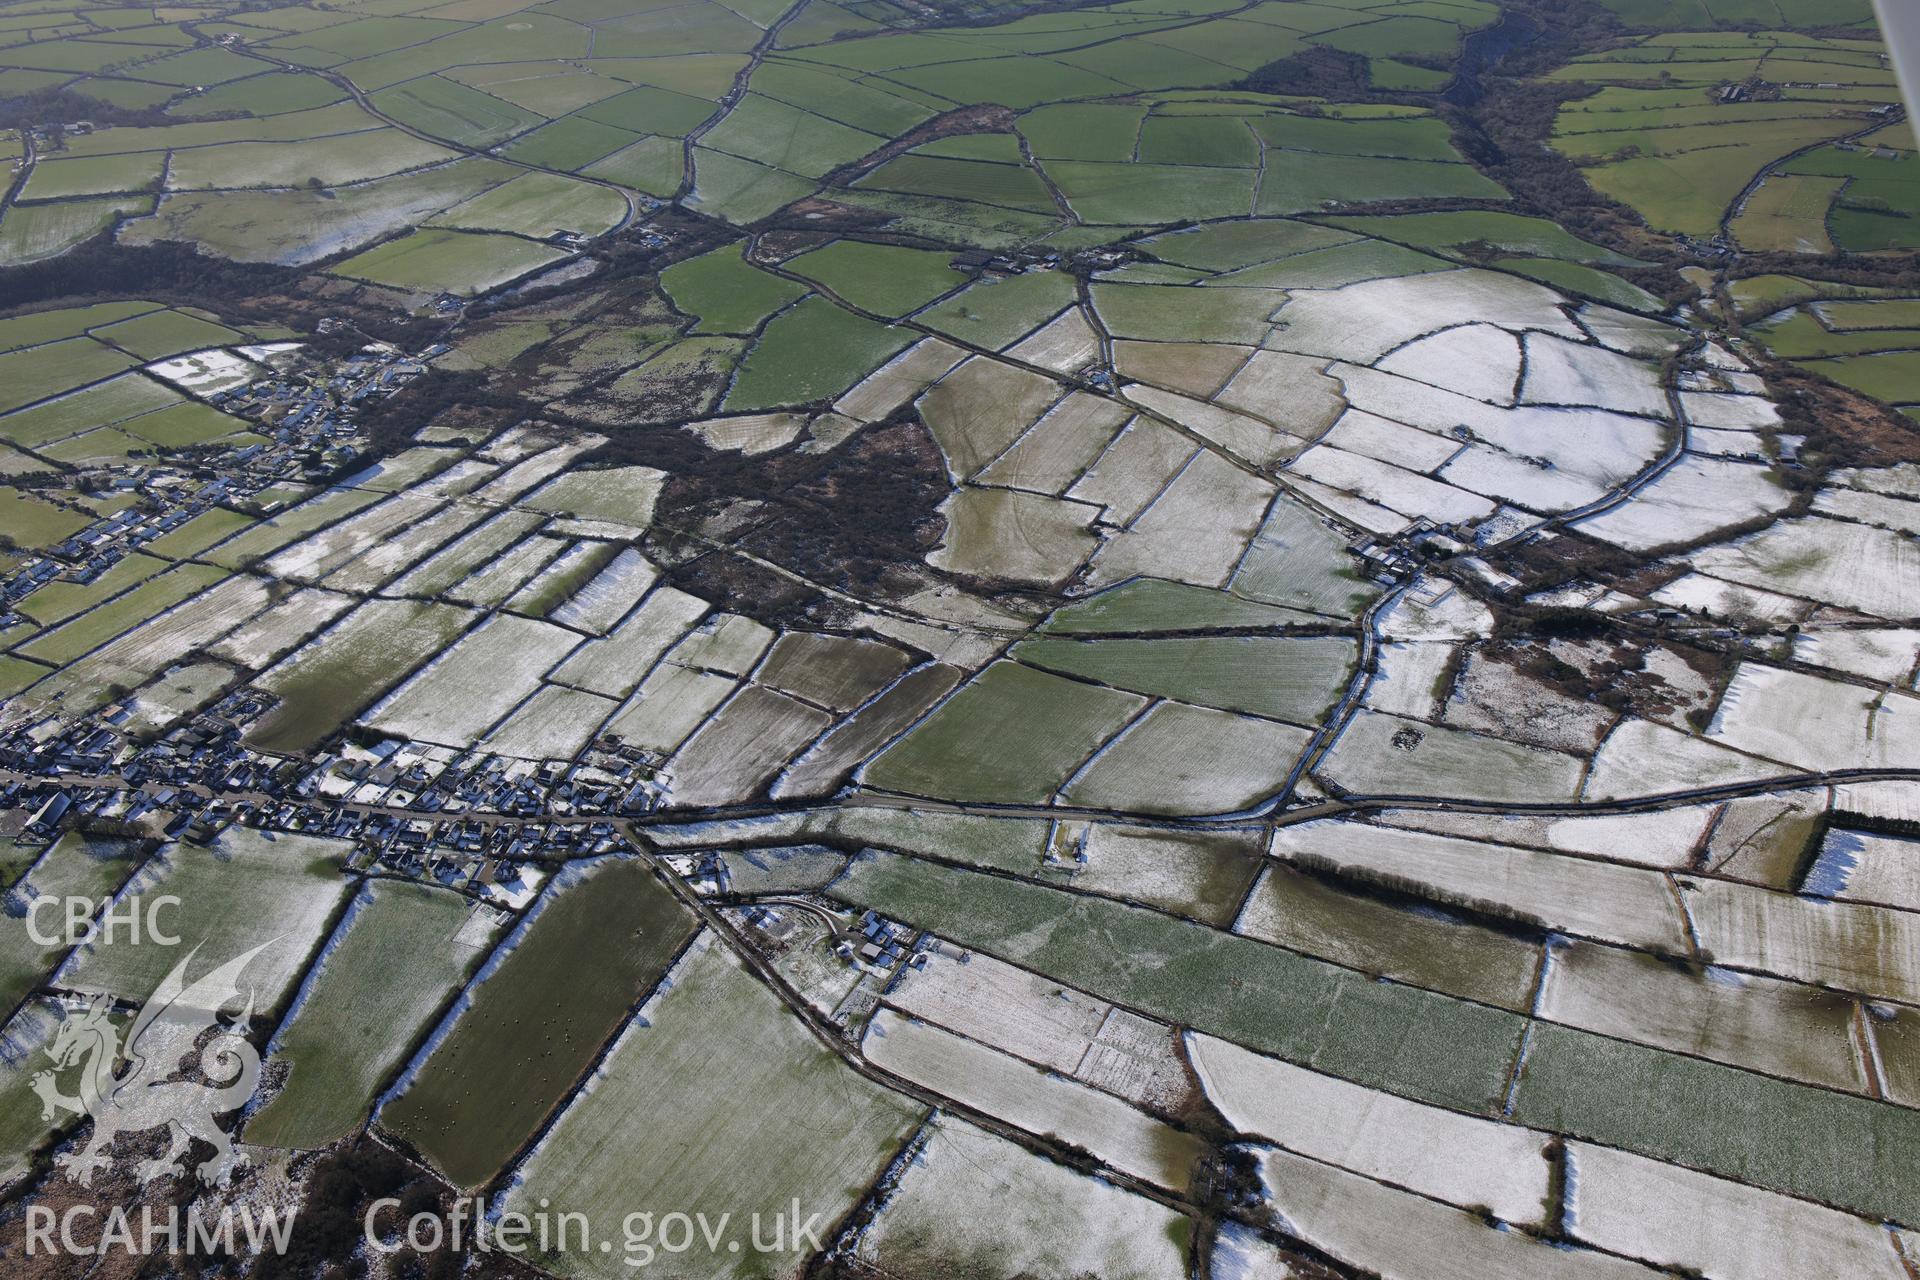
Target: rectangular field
(530,1018)
(663,1120)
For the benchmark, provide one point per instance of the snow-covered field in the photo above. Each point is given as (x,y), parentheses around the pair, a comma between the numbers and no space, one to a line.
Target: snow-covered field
(1688,501)
(969,1194)
(1744,1020)
(206,373)
(1118,1135)
(1599,900)
(1397,1235)
(553,724)
(459,695)
(899,380)
(281,627)
(1478,360)
(1464,1160)
(998,1004)
(1576,373)
(1855,947)
(1703,1225)
(1194,531)
(609,595)
(1854,566)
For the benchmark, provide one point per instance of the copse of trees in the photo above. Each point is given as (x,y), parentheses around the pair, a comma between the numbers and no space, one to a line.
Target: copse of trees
(392,421)
(1316,72)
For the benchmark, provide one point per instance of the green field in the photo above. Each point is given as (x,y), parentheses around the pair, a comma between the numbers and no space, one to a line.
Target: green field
(1198,140)
(247,889)
(570,143)
(398,959)
(863,105)
(29,233)
(538,205)
(160,334)
(994,312)
(1412,34)
(90,630)
(1150,604)
(1012,734)
(1287,678)
(885,279)
(39,372)
(449,261)
(772,133)
(1682,162)
(199,533)
(650,110)
(998,148)
(58,601)
(34,522)
(1297,181)
(301,225)
(958,178)
(813,351)
(1422,948)
(1893,376)
(268,94)
(1451,233)
(1172,313)
(330,161)
(75,866)
(102,403)
(453,111)
(349,667)
(741,191)
(1578,278)
(653,165)
(37,327)
(1147,194)
(1416,138)
(533,1024)
(94,176)
(1852,1152)
(1084,131)
(1334,1020)
(1201,874)
(188,425)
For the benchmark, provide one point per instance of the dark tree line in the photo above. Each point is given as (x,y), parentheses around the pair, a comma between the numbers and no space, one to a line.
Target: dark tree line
(101,269)
(46,108)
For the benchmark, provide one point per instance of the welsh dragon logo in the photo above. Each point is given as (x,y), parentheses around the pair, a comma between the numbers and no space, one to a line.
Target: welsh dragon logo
(138,1088)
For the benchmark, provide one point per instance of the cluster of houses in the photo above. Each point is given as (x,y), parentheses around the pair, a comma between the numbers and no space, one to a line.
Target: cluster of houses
(313,437)
(170,500)
(469,820)
(308,412)
(609,778)
(41,138)
(881,943)
(874,946)
(1013,262)
(479,822)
